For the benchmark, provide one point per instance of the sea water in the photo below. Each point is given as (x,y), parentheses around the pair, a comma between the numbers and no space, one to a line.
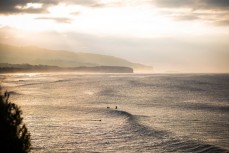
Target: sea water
(155,112)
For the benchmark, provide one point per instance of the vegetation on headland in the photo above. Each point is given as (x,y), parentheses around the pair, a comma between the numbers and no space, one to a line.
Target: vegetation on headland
(14,136)
(11,68)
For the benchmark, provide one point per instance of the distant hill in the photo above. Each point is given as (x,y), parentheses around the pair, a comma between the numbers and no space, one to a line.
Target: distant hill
(39,56)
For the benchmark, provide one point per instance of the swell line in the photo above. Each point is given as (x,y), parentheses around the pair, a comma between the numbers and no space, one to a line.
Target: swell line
(163,140)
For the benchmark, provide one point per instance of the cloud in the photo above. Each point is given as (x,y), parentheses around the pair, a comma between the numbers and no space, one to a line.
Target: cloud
(185,17)
(30,6)
(56,19)
(89,3)
(222,22)
(21,6)
(209,11)
(173,3)
(194,4)
(223,4)
(24,6)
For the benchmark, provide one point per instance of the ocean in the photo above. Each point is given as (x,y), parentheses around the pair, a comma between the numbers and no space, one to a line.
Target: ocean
(155,113)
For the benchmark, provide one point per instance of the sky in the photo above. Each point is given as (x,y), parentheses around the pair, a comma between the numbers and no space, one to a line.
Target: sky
(170,35)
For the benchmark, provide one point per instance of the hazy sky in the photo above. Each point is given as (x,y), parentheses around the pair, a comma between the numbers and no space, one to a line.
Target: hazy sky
(170,35)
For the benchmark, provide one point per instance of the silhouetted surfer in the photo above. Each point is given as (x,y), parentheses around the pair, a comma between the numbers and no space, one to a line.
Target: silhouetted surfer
(7,95)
